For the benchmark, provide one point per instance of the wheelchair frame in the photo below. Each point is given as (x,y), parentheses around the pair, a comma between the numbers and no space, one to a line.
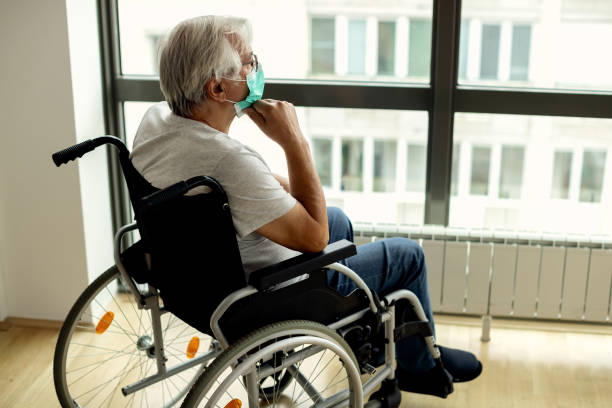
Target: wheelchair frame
(150,301)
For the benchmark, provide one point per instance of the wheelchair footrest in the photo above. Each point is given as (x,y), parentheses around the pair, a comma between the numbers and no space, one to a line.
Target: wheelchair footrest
(412,328)
(389,395)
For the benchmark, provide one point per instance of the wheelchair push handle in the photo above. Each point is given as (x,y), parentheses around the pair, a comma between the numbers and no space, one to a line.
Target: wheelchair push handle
(73,152)
(78,150)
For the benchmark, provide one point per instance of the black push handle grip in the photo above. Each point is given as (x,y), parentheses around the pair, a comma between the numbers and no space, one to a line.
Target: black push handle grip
(73,152)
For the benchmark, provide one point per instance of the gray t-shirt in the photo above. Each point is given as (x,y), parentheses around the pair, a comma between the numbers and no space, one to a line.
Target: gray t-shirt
(169,148)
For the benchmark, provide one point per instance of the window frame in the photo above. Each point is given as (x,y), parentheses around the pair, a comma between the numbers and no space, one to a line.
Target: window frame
(441,98)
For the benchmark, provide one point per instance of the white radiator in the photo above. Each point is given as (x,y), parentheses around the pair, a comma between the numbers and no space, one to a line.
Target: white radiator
(511,275)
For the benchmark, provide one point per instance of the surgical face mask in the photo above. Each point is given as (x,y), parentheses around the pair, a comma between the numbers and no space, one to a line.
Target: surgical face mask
(255,81)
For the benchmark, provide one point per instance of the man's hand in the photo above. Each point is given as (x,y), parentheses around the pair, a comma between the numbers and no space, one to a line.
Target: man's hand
(277,119)
(304,227)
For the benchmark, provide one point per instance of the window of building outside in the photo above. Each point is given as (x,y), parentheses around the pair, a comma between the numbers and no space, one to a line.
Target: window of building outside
(455,169)
(416,167)
(385,159)
(511,172)
(591,182)
(562,172)
(357,47)
(322,155)
(481,163)
(419,51)
(386,48)
(489,57)
(323,45)
(352,165)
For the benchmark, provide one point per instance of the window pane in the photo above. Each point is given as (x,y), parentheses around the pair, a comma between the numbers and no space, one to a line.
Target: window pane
(311,39)
(385,157)
(464,38)
(593,164)
(562,171)
(532,173)
(419,51)
(357,47)
(416,167)
(352,165)
(521,45)
(558,44)
(481,160)
(511,173)
(489,56)
(322,152)
(323,45)
(455,169)
(386,48)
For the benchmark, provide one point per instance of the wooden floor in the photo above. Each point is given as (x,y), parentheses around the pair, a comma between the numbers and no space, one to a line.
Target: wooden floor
(522,367)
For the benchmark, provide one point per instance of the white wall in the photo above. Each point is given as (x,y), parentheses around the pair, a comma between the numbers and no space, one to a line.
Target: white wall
(42,230)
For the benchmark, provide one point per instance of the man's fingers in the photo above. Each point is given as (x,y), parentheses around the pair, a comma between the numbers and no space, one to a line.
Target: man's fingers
(254,115)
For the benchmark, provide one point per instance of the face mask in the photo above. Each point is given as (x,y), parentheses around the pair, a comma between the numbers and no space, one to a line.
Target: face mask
(255,81)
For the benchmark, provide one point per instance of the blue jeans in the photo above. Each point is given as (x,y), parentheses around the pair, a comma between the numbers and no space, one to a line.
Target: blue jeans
(385,266)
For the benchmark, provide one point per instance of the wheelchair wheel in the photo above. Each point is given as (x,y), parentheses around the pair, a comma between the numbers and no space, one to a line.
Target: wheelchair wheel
(321,365)
(106,343)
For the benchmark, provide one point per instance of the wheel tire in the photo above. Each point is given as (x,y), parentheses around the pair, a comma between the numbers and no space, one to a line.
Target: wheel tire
(261,339)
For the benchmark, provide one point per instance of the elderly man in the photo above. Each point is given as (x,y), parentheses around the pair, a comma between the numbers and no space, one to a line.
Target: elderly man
(208,75)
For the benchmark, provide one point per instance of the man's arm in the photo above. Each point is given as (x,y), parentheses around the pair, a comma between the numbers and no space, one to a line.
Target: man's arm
(304,227)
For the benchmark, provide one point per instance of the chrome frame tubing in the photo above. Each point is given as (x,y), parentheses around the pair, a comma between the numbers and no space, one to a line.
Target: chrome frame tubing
(117,255)
(249,290)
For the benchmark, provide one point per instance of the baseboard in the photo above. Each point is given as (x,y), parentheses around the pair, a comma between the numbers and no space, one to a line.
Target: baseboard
(5,324)
(10,322)
(526,324)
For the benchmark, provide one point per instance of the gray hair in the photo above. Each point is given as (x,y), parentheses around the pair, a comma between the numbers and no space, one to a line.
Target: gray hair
(197,50)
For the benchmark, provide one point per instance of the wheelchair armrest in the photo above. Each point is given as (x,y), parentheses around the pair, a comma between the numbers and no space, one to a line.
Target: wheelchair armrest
(264,278)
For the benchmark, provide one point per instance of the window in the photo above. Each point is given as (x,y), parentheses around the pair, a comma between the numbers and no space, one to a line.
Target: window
(455,169)
(416,167)
(511,172)
(322,152)
(357,47)
(385,154)
(489,57)
(562,171)
(591,183)
(386,48)
(419,51)
(323,45)
(521,46)
(352,165)
(481,160)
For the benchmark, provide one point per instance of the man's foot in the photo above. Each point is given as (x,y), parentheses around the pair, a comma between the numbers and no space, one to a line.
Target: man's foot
(462,365)
(459,366)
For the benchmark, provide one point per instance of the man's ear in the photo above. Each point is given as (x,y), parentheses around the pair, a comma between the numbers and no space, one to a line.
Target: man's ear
(214,90)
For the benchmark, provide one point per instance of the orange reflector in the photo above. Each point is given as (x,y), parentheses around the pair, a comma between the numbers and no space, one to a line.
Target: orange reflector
(192,347)
(235,403)
(104,322)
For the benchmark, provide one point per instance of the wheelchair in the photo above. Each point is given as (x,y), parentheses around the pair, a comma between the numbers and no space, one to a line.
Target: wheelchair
(175,322)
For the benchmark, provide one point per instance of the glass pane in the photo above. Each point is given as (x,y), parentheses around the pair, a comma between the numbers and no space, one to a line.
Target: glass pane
(532,173)
(311,39)
(558,44)
(322,45)
(416,168)
(489,57)
(386,48)
(322,152)
(352,165)
(511,172)
(521,44)
(385,158)
(481,162)
(357,47)
(591,182)
(562,170)
(419,51)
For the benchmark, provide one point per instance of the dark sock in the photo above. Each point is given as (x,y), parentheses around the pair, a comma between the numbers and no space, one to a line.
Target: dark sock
(462,365)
